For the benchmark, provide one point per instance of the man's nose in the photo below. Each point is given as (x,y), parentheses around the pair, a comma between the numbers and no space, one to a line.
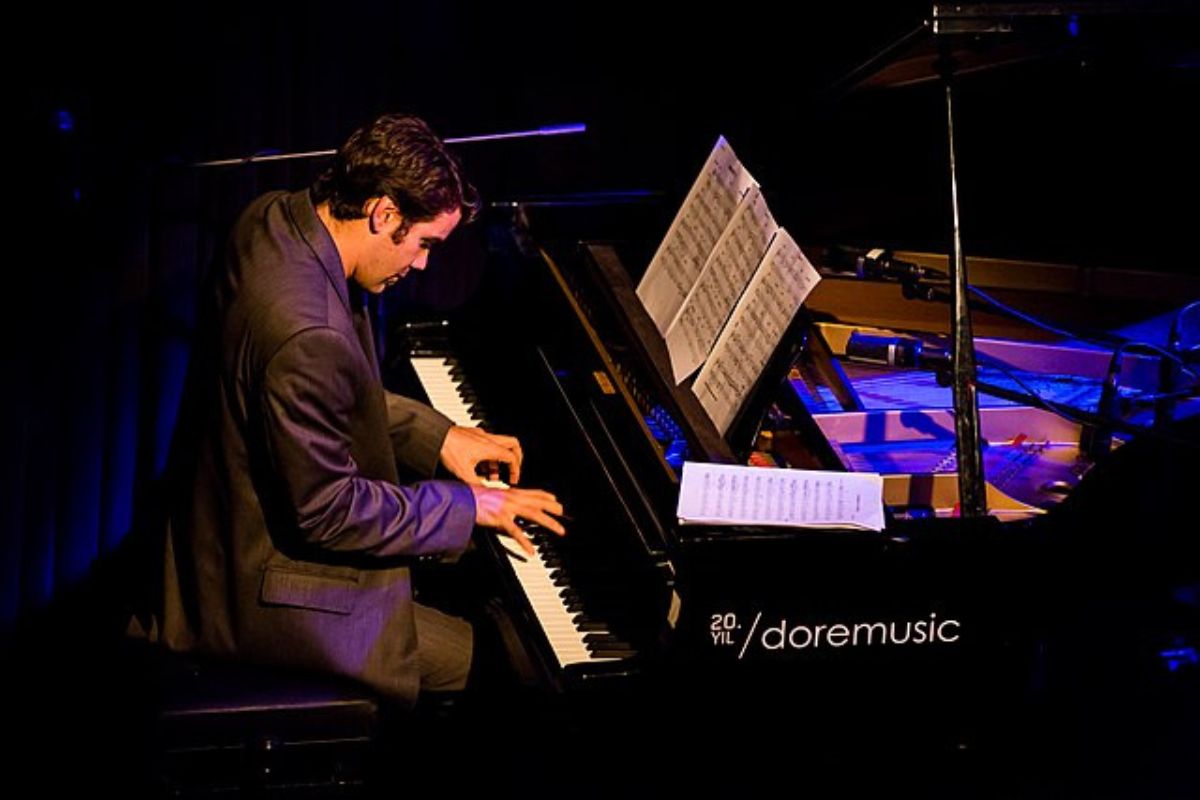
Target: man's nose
(421,260)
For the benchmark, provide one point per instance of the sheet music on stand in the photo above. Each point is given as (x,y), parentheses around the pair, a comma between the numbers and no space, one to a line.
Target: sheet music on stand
(704,215)
(755,328)
(724,286)
(694,330)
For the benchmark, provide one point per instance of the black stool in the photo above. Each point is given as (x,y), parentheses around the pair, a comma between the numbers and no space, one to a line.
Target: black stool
(225,727)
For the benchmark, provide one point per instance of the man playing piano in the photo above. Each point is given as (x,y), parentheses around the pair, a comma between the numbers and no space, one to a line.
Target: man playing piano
(290,530)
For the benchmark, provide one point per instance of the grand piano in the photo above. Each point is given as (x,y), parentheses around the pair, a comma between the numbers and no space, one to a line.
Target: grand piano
(1077,591)
(948,621)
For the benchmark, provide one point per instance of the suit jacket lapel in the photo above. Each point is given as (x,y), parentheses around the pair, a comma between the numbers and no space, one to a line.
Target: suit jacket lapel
(304,215)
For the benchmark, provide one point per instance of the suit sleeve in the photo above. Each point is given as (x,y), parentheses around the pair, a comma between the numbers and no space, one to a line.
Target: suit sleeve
(417,432)
(309,393)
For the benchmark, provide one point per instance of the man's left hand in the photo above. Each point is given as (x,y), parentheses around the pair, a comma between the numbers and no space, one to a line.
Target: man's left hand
(465,449)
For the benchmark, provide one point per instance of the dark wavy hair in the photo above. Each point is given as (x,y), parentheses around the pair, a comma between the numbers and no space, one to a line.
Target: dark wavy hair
(401,157)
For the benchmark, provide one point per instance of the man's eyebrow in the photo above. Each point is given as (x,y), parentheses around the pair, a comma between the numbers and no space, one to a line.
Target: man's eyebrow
(432,240)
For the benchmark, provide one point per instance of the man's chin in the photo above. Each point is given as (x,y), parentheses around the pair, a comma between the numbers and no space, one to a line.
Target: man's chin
(390,282)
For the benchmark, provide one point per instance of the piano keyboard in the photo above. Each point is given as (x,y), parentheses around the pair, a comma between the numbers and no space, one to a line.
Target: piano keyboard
(443,384)
(573,638)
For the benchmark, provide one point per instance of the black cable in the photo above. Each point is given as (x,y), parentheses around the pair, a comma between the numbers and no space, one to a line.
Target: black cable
(1120,342)
(1053,406)
(1176,334)
(1145,399)
(1078,415)
(1106,340)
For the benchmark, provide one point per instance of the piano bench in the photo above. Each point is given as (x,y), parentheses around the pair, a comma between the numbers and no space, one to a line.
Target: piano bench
(225,727)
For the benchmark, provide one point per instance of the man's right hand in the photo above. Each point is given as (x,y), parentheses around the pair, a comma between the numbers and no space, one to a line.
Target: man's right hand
(500,508)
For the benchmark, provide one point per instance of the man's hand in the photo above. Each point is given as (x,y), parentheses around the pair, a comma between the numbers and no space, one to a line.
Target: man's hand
(500,508)
(466,448)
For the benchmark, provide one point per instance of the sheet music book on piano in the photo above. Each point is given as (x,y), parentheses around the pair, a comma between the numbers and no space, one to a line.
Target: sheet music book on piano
(755,328)
(724,286)
(728,270)
(704,215)
(727,494)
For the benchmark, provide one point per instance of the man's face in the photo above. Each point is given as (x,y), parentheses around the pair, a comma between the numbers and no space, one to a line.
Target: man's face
(389,258)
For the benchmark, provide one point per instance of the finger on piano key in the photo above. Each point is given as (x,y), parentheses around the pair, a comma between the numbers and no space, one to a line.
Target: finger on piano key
(511,547)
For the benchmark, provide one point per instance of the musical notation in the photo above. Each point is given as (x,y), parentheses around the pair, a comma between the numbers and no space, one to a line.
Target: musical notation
(729,268)
(754,329)
(705,213)
(727,494)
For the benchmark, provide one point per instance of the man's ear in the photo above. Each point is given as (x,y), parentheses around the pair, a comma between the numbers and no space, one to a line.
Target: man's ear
(379,211)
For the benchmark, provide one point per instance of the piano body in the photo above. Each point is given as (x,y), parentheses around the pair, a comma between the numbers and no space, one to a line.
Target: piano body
(910,623)
(1068,615)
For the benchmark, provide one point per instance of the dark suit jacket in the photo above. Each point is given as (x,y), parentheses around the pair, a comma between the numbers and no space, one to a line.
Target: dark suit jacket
(288,528)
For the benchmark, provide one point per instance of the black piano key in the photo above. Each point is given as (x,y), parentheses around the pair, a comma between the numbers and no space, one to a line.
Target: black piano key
(591,626)
(608,652)
(602,638)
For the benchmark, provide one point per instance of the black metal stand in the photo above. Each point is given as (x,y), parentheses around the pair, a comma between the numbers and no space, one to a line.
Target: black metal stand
(972,491)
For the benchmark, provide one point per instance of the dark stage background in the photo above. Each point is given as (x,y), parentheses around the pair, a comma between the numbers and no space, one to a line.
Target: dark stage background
(114,228)
(1085,158)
